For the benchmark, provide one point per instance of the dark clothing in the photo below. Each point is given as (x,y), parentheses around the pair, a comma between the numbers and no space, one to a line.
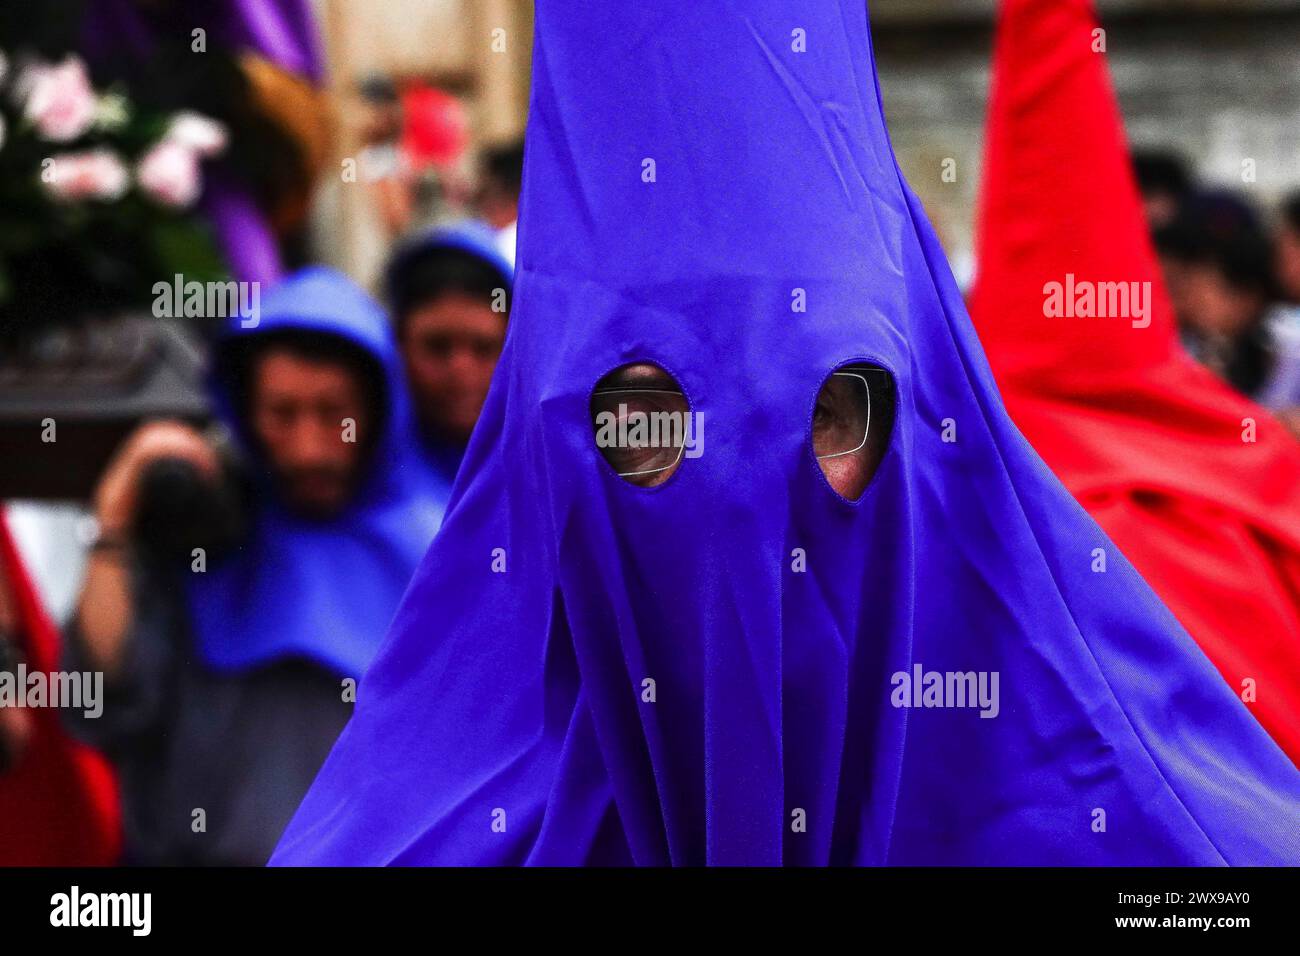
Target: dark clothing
(243,748)
(443,458)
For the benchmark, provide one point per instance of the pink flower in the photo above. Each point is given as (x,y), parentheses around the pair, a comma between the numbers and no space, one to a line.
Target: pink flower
(195,131)
(92,174)
(60,100)
(170,173)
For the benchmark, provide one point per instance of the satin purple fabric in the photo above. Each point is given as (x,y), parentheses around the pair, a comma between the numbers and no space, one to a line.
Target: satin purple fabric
(588,672)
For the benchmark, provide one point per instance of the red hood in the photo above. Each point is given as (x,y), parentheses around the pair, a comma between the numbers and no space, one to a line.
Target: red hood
(1151,443)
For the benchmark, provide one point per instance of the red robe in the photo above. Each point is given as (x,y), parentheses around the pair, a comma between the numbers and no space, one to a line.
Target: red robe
(1199,487)
(59,805)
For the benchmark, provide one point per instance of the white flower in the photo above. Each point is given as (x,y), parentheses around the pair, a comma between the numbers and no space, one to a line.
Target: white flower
(197,132)
(170,170)
(4,66)
(60,101)
(169,173)
(90,174)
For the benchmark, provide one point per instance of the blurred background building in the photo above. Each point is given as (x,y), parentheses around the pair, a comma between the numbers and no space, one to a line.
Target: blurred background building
(1217,81)
(478,51)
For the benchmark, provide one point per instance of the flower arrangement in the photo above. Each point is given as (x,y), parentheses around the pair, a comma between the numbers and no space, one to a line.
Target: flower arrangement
(97,196)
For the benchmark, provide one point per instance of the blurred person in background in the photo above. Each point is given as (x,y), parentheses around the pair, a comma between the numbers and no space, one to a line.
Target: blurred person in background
(1286,318)
(1288,249)
(449,292)
(382,164)
(358,214)
(15,724)
(230,669)
(1165,185)
(498,199)
(1164,182)
(1228,301)
(410,169)
(435,141)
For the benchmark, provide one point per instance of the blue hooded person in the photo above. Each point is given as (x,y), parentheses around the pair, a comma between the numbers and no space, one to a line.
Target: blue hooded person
(448,291)
(746,563)
(318,582)
(231,671)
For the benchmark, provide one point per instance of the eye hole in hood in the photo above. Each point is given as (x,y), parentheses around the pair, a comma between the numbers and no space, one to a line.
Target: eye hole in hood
(643,424)
(851,424)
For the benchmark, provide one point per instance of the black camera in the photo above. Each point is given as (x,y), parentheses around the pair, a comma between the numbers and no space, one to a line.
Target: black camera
(181,509)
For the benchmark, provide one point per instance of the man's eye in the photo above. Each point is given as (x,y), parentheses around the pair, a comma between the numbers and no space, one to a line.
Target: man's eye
(642,423)
(437,347)
(851,423)
(283,414)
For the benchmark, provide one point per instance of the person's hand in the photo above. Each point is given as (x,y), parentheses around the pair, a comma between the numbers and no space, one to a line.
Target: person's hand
(116,498)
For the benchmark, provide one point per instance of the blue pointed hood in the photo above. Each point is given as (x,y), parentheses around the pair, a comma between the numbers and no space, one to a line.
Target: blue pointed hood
(469,236)
(298,587)
(711,670)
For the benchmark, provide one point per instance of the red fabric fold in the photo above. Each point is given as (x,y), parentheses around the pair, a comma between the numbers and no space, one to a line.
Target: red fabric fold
(1199,487)
(59,805)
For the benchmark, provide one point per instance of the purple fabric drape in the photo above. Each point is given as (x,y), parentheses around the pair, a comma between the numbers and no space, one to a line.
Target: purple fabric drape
(242,230)
(283,31)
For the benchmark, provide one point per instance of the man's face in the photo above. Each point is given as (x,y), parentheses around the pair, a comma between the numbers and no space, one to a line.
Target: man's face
(1215,307)
(1177,276)
(450,347)
(1161,207)
(300,412)
(498,206)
